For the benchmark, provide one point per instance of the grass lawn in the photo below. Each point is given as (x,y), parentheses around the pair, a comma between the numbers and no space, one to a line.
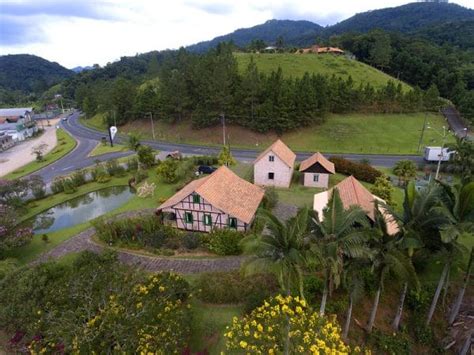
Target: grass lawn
(208,325)
(104,149)
(295,65)
(65,144)
(351,133)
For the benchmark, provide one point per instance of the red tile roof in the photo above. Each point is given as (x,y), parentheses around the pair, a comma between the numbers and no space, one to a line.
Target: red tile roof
(282,151)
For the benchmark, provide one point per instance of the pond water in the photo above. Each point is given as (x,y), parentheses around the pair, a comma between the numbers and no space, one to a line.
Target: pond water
(80,209)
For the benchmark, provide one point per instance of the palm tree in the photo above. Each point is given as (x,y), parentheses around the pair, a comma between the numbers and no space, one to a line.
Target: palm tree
(337,236)
(281,250)
(353,281)
(387,258)
(133,141)
(458,209)
(404,170)
(457,303)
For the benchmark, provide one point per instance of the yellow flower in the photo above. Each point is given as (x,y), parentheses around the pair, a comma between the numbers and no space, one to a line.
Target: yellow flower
(299,309)
(139,305)
(161,288)
(39,312)
(243,344)
(260,328)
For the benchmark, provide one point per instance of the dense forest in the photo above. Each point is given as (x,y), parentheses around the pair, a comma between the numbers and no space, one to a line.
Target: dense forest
(201,87)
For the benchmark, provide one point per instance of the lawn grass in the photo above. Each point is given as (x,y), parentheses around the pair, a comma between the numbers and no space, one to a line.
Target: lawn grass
(104,149)
(296,65)
(351,133)
(208,325)
(65,144)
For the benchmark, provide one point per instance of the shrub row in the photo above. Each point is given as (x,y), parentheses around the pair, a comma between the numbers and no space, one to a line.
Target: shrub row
(233,287)
(69,184)
(361,171)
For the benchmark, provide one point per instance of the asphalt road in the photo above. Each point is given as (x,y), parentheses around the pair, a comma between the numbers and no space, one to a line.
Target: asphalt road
(88,139)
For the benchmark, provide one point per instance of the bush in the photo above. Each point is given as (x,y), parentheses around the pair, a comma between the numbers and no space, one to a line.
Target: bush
(313,287)
(146,157)
(78,178)
(102,176)
(396,343)
(167,170)
(233,287)
(113,168)
(140,175)
(114,307)
(270,199)
(360,171)
(37,186)
(205,160)
(185,169)
(225,242)
(191,241)
(7,266)
(69,186)
(132,164)
(57,185)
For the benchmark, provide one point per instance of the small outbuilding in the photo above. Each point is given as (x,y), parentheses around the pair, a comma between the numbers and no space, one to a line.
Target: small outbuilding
(316,170)
(274,166)
(353,193)
(220,200)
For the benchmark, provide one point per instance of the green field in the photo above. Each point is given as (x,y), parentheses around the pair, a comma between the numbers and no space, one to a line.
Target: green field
(296,65)
(351,133)
(65,144)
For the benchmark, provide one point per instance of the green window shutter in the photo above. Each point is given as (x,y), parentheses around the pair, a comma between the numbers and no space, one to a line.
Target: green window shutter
(196,199)
(207,220)
(188,217)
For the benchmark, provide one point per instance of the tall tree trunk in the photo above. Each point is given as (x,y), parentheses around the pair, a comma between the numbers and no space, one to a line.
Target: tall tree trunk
(374,310)
(322,309)
(348,318)
(459,298)
(398,316)
(437,293)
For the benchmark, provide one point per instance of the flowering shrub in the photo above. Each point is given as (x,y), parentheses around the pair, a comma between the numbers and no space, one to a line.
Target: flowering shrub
(95,305)
(285,323)
(360,171)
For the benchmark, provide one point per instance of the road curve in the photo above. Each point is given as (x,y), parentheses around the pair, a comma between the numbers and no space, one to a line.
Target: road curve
(246,155)
(88,138)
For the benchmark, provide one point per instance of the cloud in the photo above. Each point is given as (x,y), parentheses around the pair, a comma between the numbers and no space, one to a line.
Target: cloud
(82,9)
(215,8)
(16,31)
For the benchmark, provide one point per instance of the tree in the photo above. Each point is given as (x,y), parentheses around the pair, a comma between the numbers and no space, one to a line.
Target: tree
(387,258)
(167,170)
(133,141)
(381,50)
(431,98)
(280,42)
(39,151)
(383,189)
(122,96)
(405,170)
(336,238)
(458,208)
(37,186)
(11,235)
(13,192)
(146,157)
(464,159)
(281,250)
(225,157)
(285,325)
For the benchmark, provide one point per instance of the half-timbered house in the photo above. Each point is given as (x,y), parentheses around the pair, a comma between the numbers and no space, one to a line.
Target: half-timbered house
(220,200)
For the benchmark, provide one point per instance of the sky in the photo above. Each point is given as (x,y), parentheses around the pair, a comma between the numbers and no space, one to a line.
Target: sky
(85,32)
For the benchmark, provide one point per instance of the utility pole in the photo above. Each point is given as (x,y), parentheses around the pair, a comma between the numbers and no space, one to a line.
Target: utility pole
(223,127)
(110,137)
(440,155)
(152,124)
(422,132)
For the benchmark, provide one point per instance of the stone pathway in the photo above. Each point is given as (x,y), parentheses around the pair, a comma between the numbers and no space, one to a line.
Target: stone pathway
(83,241)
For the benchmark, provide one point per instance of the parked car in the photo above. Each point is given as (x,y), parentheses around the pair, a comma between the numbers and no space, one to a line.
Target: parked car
(206,169)
(64,118)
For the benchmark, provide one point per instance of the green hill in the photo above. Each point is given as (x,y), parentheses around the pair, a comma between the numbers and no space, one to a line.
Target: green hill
(296,65)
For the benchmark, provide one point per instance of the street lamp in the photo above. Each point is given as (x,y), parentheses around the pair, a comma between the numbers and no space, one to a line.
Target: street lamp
(152,125)
(440,155)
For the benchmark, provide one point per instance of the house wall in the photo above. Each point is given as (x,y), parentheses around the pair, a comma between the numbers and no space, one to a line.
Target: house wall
(219,218)
(323,181)
(283,172)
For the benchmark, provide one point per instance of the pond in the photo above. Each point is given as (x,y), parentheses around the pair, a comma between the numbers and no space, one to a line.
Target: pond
(80,209)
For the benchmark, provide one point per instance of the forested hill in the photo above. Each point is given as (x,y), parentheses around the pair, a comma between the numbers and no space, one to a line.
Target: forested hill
(429,19)
(294,32)
(29,73)
(406,18)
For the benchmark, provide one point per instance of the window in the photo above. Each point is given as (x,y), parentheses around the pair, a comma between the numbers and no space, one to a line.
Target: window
(316,177)
(196,199)
(271,158)
(188,217)
(233,222)
(271,176)
(207,220)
